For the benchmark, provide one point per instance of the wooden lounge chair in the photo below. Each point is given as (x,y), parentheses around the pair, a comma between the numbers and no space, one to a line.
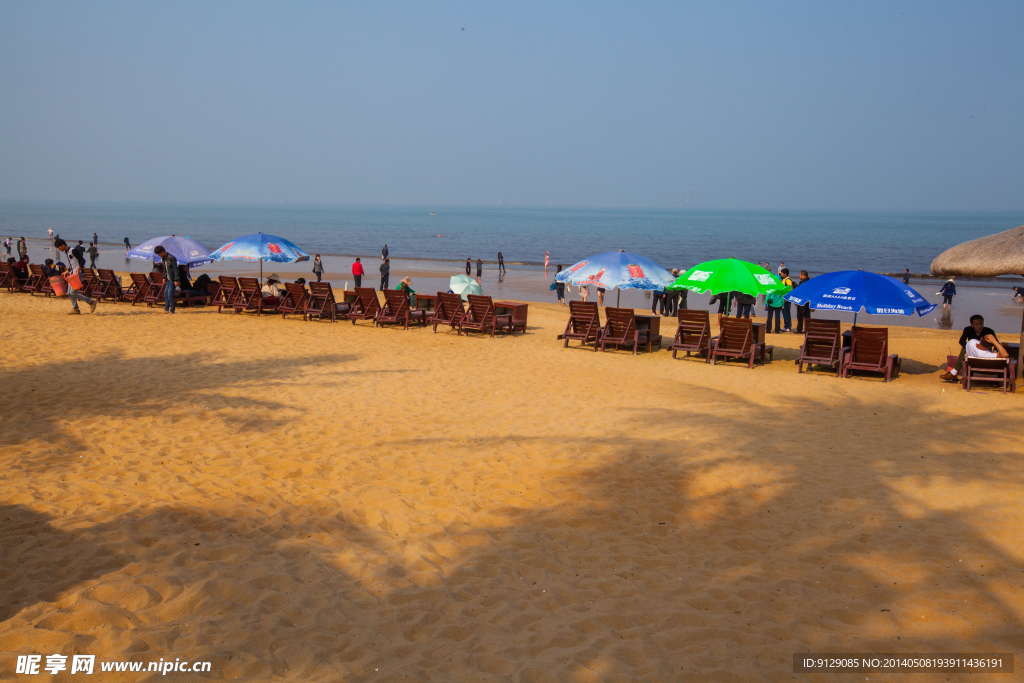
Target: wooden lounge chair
(89,282)
(366,306)
(736,340)
(226,294)
(34,283)
(621,330)
(294,300)
(396,310)
(584,324)
(823,344)
(108,286)
(693,334)
(869,352)
(1001,371)
(7,278)
(481,316)
(138,290)
(322,304)
(249,297)
(155,293)
(448,310)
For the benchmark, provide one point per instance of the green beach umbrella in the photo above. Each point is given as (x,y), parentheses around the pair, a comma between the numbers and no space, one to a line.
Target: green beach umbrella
(729,275)
(464,285)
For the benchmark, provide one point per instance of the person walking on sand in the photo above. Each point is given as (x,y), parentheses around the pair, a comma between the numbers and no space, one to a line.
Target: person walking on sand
(127,245)
(170,266)
(469,267)
(384,252)
(948,291)
(74,295)
(318,268)
(357,272)
(93,253)
(22,248)
(501,264)
(479,271)
(7,245)
(385,274)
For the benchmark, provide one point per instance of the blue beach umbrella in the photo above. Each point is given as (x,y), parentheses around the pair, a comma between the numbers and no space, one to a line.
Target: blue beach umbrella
(855,290)
(619,270)
(187,251)
(260,247)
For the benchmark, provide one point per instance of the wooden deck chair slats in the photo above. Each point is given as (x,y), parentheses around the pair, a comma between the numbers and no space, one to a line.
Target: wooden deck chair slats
(481,317)
(138,290)
(396,310)
(155,293)
(620,329)
(249,295)
(1001,371)
(34,283)
(448,310)
(736,340)
(693,333)
(294,300)
(7,278)
(322,304)
(108,286)
(869,352)
(366,306)
(226,294)
(823,344)
(584,324)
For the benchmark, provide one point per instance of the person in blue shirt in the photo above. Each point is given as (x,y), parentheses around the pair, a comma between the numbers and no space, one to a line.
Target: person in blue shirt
(948,291)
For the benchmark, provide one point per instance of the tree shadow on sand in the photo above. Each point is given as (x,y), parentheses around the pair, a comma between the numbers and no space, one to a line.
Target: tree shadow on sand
(714,551)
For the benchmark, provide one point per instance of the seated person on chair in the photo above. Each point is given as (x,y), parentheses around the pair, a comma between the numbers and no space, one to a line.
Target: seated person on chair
(406,286)
(986,347)
(20,269)
(976,330)
(272,292)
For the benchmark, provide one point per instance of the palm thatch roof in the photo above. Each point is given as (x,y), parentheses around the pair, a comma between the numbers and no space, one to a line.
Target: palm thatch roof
(998,254)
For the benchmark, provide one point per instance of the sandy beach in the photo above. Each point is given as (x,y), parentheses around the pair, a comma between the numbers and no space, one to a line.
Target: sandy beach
(310,501)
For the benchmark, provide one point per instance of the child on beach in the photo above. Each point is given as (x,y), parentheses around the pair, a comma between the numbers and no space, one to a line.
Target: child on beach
(584,292)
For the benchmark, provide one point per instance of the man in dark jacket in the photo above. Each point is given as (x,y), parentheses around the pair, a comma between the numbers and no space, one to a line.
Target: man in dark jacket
(170,267)
(803,311)
(976,330)
(385,274)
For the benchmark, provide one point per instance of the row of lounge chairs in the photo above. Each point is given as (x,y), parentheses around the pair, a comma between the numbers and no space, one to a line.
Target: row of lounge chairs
(823,342)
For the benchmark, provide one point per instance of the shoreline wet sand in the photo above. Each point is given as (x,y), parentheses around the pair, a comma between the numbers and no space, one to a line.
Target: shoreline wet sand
(304,500)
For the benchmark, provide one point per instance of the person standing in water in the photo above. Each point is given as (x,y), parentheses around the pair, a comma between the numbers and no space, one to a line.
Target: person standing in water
(501,264)
(127,245)
(547,260)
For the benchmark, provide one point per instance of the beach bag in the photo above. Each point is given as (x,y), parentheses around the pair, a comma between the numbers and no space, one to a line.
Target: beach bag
(60,287)
(553,287)
(74,281)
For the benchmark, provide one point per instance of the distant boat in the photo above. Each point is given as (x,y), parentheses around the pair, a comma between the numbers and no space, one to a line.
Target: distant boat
(432,213)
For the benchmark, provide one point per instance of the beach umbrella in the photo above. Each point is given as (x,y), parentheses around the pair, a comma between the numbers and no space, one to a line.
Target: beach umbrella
(856,290)
(998,254)
(464,285)
(723,276)
(260,247)
(187,251)
(616,269)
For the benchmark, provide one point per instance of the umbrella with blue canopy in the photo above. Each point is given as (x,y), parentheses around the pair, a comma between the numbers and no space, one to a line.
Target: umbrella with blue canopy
(856,290)
(187,251)
(619,270)
(260,247)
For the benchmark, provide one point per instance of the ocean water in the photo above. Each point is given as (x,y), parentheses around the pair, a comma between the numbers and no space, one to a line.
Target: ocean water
(816,241)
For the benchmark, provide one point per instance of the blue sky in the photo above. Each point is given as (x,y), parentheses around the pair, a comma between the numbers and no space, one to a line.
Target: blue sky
(733,105)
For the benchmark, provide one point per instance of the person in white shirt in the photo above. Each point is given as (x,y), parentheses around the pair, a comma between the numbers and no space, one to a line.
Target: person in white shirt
(273,292)
(986,347)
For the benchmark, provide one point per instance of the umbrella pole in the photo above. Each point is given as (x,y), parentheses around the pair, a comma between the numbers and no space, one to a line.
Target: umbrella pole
(618,293)
(261,272)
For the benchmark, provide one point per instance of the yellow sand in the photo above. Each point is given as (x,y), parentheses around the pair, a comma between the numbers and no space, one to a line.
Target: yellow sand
(314,501)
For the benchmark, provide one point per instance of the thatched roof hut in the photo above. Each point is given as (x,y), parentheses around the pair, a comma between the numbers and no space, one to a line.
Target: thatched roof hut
(998,254)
